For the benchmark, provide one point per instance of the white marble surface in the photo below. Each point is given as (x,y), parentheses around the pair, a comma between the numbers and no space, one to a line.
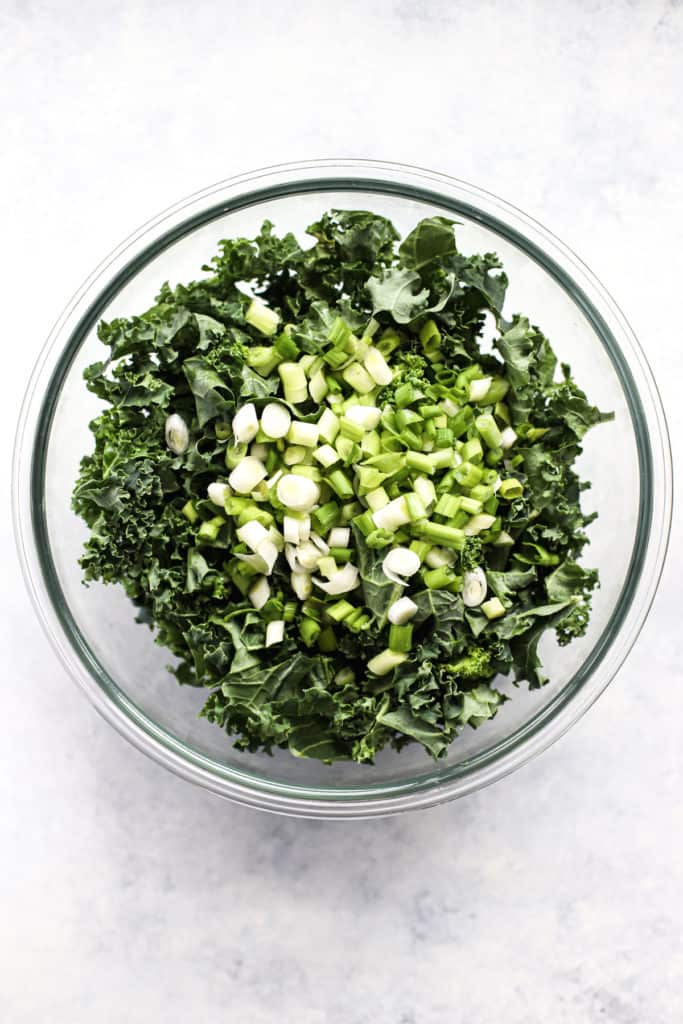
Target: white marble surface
(128,896)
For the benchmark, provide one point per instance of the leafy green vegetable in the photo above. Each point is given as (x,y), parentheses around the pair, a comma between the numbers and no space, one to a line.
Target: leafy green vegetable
(167,526)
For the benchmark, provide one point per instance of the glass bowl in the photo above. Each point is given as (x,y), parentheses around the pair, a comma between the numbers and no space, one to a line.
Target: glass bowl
(116,661)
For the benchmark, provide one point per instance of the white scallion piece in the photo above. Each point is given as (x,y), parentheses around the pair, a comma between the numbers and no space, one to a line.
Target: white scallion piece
(254,561)
(328,426)
(321,545)
(478,523)
(400,563)
(503,539)
(275,632)
(449,407)
(262,317)
(268,552)
(291,529)
(438,557)
(326,455)
(247,475)
(245,424)
(252,534)
(401,611)
(424,488)
(317,386)
(392,516)
(366,416)
(271,481)
(304,527)
(339,537)
(303,434)
(341,583)
(292,559)
(217,493)
(507,438)
(307,555)
(297,492)
(301,585)
(293,455)
(259,451)
(377,367)
(478,389)
(474,587)
(275,420)
(177,434)
(276,537)
(259,592)
(385,662)
(294,383)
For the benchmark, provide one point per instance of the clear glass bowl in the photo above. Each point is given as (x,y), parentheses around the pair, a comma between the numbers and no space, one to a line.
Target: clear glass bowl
(116,661)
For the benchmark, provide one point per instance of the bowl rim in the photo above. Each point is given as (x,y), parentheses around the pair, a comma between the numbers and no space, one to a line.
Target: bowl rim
(609,323)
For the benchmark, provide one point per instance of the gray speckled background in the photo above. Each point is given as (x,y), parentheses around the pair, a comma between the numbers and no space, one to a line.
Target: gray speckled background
(127,895)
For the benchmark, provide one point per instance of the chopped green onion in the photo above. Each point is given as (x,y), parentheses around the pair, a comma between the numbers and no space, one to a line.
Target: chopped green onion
(391,516)
(297,492)
(377,498)
(294,383)
(303,434)
(286,347)
(405,394)
(511,489)
(260,316)
(357,377)
(461,421)
(378,539)
(317,386)
(351,509)
(423,486)
(400,612)
(422,463)
(443,438)
(234,453)
(294,455)
(467,474)
(470,505)
(327,566)
(507,438)
(275,632)
(472,450)
(210,528)
(341,555)
(377,367)
(263,359)
(309,630)
(340,484)
(326,455)
(421,548)
(259,592)
(386,661)
(349,429)
(493,608)
(365,523)
(479,523)
(449,536)
(312,472)
(488,430)
(190,512)
(439,579)
(400,638)
(328,426)
(447,506)
(247,474)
